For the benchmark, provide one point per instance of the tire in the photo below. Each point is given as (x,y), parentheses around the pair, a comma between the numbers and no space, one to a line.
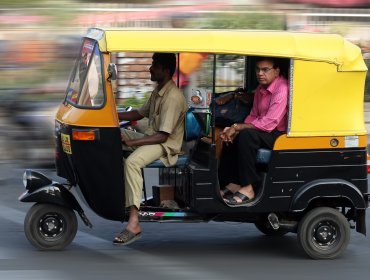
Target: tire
(323,233)
(267,229)
(50,227)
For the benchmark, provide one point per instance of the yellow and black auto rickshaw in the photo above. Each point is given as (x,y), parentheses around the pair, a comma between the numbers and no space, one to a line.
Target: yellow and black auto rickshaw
(314,180)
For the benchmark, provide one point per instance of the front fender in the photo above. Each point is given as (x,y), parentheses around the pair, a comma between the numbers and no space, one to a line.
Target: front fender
(327,188)
(54,193)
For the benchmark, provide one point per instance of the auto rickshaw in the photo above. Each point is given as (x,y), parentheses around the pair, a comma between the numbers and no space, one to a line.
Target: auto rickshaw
(314,180)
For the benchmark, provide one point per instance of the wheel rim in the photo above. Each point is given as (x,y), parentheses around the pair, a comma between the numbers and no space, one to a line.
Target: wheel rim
(51,226)
(325,235)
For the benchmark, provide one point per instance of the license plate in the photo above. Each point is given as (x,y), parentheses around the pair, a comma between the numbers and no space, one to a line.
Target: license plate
(66,143)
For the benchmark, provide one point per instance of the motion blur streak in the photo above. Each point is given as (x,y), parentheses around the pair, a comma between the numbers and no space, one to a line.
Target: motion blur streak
(39,41)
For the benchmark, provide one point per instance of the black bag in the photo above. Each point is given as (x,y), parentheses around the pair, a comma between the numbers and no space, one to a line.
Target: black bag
(233,111)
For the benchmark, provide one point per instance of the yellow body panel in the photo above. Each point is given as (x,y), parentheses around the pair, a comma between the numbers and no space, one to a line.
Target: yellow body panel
(325,102)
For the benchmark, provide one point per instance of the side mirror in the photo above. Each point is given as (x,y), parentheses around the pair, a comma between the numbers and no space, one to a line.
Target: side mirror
(112,72)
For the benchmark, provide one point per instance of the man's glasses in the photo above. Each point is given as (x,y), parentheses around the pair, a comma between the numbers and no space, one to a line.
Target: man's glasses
(264,69)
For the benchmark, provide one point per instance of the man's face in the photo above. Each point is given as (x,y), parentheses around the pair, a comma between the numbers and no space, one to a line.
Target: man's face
(157,72)
(265,72)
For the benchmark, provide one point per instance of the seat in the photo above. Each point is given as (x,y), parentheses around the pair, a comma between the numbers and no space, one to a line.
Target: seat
(181,162)
(263,156)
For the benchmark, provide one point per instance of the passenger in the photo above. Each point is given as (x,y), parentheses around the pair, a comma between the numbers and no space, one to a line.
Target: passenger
(162,140)
(266,121)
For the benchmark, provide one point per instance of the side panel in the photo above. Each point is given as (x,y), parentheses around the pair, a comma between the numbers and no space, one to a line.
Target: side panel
(337,175)
(326,102)
(290,171)
(99,170)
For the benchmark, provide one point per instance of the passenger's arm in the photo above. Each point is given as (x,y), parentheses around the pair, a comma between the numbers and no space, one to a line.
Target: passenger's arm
(229,133)
(240,126)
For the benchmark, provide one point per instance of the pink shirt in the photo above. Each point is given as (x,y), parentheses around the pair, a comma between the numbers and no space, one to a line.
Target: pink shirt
(269,109)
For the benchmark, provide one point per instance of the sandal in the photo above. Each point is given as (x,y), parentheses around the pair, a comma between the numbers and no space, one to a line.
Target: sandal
(226,193)
(126,237)
(244,199)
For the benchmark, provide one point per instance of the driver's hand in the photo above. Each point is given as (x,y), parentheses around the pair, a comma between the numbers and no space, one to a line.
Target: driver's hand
(126,141)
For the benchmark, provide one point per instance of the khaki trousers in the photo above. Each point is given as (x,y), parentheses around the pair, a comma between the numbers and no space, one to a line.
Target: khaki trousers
(132,167)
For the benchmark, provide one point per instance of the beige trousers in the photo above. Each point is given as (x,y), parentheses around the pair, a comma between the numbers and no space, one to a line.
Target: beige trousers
(132,166)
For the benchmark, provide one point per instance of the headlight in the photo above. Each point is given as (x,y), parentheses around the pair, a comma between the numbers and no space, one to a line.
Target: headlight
(33,180)
(25,178)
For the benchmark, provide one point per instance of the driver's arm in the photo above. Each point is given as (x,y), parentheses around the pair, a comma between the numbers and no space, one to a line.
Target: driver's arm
(157,138)
(130,116)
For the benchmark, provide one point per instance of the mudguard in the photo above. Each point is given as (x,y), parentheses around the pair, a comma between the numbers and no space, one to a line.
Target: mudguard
(54,193)
(327,188)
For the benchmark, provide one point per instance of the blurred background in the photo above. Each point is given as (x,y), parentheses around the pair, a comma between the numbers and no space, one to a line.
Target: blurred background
(39,40)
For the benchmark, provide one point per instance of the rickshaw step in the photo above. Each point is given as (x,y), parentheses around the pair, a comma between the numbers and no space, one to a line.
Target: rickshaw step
(163,216)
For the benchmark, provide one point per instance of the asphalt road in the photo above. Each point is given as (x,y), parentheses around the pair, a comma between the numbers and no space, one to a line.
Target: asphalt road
(166,251)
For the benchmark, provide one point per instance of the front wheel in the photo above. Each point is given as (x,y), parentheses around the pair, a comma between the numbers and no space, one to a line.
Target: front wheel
(50,227)
(323,233)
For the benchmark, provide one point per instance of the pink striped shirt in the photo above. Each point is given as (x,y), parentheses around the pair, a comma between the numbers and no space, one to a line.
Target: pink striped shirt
(270,106)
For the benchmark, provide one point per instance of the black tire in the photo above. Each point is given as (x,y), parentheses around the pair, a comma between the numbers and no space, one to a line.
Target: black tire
(266,228)
(323,233)
(50,227)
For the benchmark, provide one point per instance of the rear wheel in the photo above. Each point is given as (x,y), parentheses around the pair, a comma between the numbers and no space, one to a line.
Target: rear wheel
(50,227)
(323,233)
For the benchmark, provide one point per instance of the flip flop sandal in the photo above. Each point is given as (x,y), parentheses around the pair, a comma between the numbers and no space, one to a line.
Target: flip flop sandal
(226,193)
(244,199)
(126,237)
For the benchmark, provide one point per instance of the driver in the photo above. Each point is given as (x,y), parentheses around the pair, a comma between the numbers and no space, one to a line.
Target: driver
(162,140)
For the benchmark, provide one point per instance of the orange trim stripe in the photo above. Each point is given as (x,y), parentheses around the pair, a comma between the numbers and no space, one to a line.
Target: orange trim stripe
(327,142)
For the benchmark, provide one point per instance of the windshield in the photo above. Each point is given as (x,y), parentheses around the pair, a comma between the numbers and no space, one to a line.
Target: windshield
(85,86)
